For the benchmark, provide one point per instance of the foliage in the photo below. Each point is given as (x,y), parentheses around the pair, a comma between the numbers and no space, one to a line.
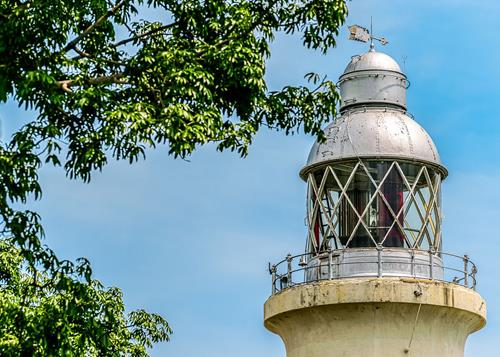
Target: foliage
(106,84)
(59,315)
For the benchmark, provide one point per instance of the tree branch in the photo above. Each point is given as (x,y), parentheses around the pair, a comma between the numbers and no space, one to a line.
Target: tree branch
(154,31)
(82,54)
(71,45)
(250,29)
(143,35)
(103,80)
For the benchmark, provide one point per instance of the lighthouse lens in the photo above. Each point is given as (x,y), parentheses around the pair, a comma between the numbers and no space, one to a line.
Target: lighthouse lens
(377,197)
(390,214)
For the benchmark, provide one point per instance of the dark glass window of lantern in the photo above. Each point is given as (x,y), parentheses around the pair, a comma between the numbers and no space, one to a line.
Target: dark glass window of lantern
(378,218)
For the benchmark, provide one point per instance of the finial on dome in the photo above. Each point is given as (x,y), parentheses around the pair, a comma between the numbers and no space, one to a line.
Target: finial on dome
(372,46)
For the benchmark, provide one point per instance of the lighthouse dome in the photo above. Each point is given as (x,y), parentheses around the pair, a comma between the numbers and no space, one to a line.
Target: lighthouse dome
(372,78)
(373,122)
(372,60)
(377,133)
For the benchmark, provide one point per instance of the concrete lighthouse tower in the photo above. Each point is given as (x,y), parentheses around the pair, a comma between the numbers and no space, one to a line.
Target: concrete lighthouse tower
(374,279)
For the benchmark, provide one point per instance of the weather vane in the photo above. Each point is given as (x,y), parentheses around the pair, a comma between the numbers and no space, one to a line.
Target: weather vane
(362,34)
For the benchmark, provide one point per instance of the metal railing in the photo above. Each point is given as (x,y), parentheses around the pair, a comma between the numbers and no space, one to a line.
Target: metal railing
(297,270)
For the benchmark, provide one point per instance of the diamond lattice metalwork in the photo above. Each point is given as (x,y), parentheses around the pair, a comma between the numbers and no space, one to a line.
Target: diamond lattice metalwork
(374,203)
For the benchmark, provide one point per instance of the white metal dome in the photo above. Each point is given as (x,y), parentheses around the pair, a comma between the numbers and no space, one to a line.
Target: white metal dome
(372,60)
(375,133)
(372,78)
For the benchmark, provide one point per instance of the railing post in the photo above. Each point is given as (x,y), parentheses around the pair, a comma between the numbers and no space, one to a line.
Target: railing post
(473,275)
(431,264)
(340,259)
(330,264)
(466,270)
(289,270)
(273,279)
(412,263)
(318,270)
(379,261)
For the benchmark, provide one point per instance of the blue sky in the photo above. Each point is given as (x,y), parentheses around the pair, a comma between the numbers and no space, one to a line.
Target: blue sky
(191,240)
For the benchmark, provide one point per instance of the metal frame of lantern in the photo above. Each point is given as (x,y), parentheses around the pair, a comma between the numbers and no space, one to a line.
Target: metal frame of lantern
(420,256)
(326,210)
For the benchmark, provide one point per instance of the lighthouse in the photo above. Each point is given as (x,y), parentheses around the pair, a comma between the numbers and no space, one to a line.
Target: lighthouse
(375,279)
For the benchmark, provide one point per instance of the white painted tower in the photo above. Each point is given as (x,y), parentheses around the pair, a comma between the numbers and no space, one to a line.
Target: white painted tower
(374,279)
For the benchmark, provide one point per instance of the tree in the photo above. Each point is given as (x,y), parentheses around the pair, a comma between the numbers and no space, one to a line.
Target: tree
(58,315)
(106,84)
